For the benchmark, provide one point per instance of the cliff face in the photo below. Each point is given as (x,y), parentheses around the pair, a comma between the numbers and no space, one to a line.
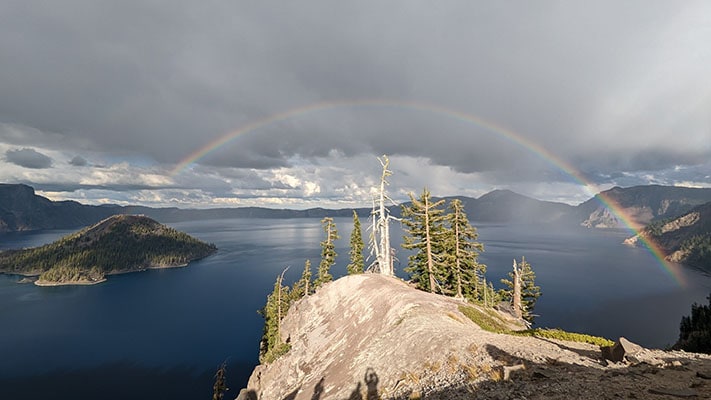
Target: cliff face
(643,204)
(685,239)
(373,337)
(22,210)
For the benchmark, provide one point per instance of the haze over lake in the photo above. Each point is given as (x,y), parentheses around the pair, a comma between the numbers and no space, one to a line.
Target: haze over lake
(163,333)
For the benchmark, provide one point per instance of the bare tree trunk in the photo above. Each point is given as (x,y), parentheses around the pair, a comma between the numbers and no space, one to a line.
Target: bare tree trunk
(380,243)
(388,258)
(428,244)
(458,268)
(486,291)
(383,225)
(281,279)
(518,309)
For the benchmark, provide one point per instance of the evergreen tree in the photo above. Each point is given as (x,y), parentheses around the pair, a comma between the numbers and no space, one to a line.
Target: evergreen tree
(328,252)
(278,302)
(522,290)
(302,287)
(695,330)
(220,386)
(424,234)
(356,253)
(464,272)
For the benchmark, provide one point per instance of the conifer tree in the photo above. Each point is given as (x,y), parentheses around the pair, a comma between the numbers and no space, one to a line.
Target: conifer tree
(695,330)
(220,386)
(278,302)
(522,290)
(424,234)
(356,253)
(462,251)
(328,252)
(302,287)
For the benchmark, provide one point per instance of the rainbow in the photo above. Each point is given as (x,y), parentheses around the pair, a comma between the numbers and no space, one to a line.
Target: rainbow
(541,152)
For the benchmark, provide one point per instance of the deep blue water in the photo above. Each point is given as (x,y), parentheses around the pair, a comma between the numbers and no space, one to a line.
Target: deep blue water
(163,333)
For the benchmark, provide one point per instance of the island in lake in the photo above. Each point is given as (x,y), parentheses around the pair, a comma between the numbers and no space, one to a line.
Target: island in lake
(118,244)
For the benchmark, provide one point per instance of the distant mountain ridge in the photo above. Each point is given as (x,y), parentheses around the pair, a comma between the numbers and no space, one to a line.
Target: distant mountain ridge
(22,210)
(642,204)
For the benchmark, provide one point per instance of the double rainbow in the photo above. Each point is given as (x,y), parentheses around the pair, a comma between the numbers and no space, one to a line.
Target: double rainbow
(541,152)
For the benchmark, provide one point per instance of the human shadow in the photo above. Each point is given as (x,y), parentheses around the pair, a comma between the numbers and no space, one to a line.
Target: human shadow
(318,390)
(370,391)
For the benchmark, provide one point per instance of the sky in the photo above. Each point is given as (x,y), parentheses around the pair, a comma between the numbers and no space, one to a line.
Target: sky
(108,101)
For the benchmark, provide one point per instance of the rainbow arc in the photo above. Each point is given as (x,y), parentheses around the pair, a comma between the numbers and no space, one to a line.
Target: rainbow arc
(673,270)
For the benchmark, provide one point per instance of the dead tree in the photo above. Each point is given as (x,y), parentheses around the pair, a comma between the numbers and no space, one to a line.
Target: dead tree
(516,297)
(380,229)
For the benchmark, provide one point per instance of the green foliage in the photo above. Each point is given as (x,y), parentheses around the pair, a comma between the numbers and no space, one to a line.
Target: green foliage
(425,234)
(328,252)
(654,229)
(464,275)
(695,330)
(276,308)
(275,352)
(303,286)
(487,321)
(356,253)
(560,334)
(529,291)
(67,272)
(699,250)
(220,386)
(490,297)
(490,322)
(119,244)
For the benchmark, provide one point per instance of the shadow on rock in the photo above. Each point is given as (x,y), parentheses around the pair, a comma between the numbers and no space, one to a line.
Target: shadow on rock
(370,391)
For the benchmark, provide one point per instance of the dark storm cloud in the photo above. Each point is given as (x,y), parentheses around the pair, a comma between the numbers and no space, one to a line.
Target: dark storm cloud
(601,85)
(28,158)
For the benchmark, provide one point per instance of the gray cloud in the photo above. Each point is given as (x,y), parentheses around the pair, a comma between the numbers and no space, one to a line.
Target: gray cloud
(78,161)
(28,158)
(605,88)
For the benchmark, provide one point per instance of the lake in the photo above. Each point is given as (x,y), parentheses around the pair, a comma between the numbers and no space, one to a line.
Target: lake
(163,333)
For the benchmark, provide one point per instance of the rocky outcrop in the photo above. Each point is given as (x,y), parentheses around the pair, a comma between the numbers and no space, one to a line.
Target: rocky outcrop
(374,337)
(641,205)
(685,239)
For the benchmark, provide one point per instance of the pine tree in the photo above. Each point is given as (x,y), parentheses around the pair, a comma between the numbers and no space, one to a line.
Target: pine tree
(220,386)
(302,287)
(425,234)
(465,273)
(522,290)
(356,253)
(328,252)
(278,302)
(695,330)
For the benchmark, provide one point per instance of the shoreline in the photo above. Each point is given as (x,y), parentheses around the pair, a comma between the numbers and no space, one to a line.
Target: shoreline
(26,278)
(42,283)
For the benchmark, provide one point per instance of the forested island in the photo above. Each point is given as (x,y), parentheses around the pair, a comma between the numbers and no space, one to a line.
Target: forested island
(118,244)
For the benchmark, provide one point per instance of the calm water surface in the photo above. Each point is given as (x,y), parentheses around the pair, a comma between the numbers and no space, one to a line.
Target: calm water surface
(163,333)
